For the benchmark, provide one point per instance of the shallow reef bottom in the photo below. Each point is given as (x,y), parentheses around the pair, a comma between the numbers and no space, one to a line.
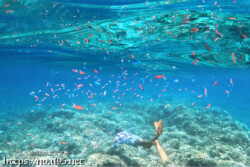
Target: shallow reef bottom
(191,137)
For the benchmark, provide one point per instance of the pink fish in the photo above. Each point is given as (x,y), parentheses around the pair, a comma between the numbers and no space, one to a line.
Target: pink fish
(215,83)
(52,90)
(231,81)
(141,87)
(205,91)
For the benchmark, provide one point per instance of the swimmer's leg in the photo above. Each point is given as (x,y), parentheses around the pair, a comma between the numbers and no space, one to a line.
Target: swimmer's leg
(145,143)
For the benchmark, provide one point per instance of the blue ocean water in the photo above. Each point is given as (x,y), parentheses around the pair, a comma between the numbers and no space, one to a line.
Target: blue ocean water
(61,52)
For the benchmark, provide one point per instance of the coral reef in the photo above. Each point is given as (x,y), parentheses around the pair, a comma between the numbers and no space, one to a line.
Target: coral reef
(191,137)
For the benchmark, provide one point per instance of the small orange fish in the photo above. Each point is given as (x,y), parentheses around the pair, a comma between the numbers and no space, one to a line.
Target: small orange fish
(158,76)
(7,5)
(227,92)
(208,106)
(194,62)
(109,41)
(244,36)
(195,30)
(95,71)
(216,39)
(75,70)
(81,72)
(63,142)
(78,107)
(199,96)
(233,58)
(32,144)
(92,96)
(86,41)
(9,11)
(205,91)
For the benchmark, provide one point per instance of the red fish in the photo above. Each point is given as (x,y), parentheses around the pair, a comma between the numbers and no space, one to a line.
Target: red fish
(63,142)
(78,107)
(194,62)
(207,46)
(215,83)
(205,91)
(95,71)
(75,70)
(227,92)
(141,87)
(86,41)
(158,76)
(208,106)
(92,96)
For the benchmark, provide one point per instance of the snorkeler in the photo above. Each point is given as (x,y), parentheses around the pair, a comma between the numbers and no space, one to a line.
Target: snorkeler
(123,137)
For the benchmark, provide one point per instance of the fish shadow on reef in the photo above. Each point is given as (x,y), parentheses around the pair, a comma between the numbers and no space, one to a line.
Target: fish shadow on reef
(36,116)
(63,114)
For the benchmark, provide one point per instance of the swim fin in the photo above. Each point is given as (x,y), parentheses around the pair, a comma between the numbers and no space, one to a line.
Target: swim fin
(161,152)
(159,129)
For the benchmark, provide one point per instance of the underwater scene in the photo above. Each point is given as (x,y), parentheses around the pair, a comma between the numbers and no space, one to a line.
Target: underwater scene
(124,83)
